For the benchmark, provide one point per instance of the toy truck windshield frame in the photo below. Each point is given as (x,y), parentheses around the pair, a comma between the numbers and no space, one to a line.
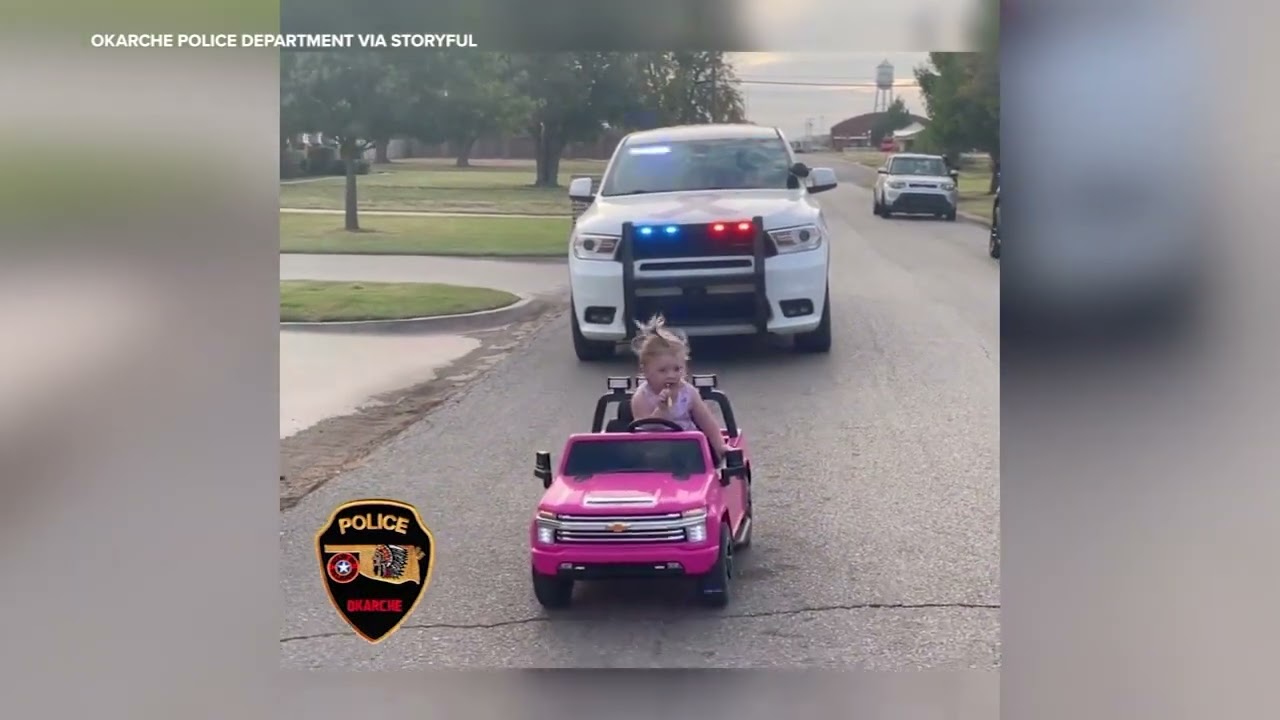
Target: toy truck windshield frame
(622,388)
(680,457)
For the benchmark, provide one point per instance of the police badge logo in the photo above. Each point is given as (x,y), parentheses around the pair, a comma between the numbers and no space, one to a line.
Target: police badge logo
(376,558)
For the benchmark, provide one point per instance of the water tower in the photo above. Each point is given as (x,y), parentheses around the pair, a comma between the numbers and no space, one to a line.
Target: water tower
(884,86)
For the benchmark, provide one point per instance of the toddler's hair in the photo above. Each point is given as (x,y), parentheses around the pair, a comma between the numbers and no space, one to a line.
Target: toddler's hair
(656,338)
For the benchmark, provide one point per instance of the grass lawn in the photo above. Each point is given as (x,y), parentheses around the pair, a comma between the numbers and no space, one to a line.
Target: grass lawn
(491,186)
(313,301)
(389,235)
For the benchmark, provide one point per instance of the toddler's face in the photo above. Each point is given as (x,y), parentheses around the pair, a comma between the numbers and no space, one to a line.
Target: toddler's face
(663,370)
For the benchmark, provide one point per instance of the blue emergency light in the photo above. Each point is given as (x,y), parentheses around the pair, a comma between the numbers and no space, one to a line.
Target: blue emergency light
(669,231)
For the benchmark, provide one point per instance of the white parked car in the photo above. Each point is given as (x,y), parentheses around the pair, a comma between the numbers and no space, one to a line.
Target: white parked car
(713,226)
(914,184)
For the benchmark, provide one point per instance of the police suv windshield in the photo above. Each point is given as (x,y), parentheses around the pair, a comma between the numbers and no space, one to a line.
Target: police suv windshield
(678,458)
(690,165)
(932,167)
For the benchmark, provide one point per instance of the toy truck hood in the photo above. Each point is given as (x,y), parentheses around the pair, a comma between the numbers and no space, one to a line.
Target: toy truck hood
(779,208)
(627,493)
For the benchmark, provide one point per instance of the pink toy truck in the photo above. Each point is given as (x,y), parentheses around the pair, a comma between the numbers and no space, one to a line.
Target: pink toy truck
(641,499)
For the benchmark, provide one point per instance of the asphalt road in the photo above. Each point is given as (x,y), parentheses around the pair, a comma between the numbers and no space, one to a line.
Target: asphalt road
(877,491)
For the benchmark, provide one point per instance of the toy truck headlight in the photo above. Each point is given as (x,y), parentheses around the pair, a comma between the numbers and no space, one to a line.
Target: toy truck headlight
(546,527)
(697,530)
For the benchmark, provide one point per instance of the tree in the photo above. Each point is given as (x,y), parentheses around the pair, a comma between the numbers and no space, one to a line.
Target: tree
(690,87)
(351,96)
(574,97)
(894,118)
(478,97)
(962,94)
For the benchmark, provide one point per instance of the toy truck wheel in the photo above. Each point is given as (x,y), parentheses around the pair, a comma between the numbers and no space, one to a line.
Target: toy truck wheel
(552,592)
(713,588)
(818,341)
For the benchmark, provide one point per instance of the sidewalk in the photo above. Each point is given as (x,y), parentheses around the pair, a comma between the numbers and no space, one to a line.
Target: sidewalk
(422,213)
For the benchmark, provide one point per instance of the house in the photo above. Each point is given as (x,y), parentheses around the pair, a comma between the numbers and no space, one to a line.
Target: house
(856,131)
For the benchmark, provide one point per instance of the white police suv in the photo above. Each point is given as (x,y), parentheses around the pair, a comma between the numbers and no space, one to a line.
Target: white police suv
(715,227)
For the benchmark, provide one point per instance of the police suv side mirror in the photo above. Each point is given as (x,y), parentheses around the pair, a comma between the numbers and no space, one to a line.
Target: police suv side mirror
(821,180)
(580,190)
(954,174)
(542,467)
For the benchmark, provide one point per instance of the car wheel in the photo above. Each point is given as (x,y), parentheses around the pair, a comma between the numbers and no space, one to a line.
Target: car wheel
(713,588)
(994,247)
(588,350)
(818,341)
(951,216)
(552,592)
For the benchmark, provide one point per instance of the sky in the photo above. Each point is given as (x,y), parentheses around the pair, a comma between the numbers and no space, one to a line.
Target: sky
(788,107)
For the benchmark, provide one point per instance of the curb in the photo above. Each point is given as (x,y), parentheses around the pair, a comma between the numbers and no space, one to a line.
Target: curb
(524,308)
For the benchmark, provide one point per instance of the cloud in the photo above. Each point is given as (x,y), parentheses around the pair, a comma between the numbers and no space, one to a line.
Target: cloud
(758,59)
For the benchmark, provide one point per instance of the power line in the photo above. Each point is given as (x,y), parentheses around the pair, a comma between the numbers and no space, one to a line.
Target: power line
(799,83)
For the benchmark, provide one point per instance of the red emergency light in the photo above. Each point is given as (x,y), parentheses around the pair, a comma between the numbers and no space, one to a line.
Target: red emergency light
(736,227)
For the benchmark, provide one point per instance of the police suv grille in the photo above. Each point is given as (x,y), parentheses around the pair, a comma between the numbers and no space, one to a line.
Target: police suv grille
(664,528)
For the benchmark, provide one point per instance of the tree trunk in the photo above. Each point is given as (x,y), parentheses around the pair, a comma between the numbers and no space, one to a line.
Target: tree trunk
(549,149)
(349,155)
(380,152)
(465,146)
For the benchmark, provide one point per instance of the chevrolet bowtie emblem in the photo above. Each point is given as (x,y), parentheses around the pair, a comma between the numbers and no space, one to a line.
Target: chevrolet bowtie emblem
(618,527)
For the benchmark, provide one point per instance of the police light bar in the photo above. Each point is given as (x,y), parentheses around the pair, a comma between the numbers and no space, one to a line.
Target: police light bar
(704,381)
(619,383)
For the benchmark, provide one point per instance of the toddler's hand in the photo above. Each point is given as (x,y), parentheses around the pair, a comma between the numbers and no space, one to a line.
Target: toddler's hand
(664,399)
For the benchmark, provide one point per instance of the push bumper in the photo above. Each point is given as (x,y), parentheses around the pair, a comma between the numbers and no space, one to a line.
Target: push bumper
(704,296)
(601,563)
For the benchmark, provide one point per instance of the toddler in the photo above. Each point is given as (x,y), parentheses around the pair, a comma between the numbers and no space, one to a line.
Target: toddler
(664,393)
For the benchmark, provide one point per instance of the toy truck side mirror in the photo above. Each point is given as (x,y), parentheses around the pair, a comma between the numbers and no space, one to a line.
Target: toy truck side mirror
(734,466)
(542,467)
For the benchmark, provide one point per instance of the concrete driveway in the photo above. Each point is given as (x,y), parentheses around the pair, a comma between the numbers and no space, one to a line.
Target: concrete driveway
(877,491)
(329,375)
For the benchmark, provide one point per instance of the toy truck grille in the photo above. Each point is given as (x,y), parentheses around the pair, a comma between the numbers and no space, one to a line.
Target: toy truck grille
(663,528)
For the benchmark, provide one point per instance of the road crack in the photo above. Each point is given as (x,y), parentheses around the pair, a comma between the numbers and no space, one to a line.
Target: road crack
(725,616)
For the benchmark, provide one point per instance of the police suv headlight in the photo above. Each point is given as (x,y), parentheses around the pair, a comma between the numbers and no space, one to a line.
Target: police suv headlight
(797,239)
(595,247)
(948,186)
(697,532)
(546,527)
(897,184)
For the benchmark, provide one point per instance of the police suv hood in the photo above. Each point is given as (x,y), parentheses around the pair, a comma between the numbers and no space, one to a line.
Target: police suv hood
(779,208)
